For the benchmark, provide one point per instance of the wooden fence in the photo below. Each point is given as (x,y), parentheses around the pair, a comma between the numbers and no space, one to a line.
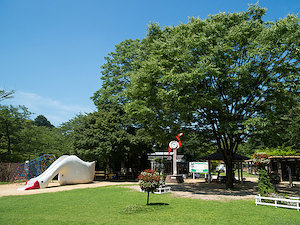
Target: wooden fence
(8,171)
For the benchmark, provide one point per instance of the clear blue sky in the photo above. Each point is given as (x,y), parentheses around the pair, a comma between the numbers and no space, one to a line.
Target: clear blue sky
(51,51)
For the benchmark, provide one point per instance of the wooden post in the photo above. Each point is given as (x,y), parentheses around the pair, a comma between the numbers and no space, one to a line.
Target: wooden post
(238,166)
(242,171)
(279,170)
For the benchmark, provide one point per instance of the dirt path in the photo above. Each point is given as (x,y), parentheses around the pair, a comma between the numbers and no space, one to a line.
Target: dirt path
(198,189)
(11,189)
(215,191)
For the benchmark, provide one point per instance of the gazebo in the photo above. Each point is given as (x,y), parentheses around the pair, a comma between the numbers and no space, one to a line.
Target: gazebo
(237,159)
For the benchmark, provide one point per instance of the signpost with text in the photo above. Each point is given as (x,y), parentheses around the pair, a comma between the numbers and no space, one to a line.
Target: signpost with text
(198,167)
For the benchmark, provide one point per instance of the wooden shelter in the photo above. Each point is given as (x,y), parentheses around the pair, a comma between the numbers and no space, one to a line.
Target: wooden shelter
(237,160)
(288,167)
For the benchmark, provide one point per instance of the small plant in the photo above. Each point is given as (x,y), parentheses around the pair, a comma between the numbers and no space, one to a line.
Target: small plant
(149,180)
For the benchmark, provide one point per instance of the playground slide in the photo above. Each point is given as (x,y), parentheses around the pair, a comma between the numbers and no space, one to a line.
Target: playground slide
(70,170)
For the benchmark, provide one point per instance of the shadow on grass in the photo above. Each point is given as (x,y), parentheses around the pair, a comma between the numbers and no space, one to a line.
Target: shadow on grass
(158,203)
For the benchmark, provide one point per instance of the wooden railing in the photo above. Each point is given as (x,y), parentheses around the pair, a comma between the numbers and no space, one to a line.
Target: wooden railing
(291,203)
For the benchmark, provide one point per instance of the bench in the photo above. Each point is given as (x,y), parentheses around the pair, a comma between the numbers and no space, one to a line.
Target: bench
(160,190)
(101,174)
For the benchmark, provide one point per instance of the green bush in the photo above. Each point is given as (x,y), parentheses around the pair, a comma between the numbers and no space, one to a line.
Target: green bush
(264,184)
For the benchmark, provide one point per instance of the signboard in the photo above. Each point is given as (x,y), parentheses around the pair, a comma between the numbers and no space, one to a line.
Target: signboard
(198,167)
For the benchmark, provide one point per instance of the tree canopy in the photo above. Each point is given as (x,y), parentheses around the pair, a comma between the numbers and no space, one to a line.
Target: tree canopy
(215,75)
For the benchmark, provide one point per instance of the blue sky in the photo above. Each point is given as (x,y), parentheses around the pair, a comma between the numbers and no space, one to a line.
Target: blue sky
(51,51)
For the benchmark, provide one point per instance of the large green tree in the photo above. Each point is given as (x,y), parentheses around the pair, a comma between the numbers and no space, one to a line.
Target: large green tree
(215,75)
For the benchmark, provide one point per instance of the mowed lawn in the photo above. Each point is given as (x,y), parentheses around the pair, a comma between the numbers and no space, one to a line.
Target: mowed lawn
(119,205)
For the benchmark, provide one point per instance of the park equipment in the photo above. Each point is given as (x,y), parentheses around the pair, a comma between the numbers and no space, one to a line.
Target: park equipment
(70,170)
(33,168)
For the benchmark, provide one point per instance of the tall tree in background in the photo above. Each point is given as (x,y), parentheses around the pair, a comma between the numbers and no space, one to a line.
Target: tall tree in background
(108,137)
(280,130)
(21,140)
(12,120)
(35,141)
(42,121)
(216,75)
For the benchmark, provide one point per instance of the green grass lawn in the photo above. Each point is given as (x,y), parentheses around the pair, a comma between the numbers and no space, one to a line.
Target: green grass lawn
(117,205)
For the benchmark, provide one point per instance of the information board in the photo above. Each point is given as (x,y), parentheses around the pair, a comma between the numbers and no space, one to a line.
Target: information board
(198,167)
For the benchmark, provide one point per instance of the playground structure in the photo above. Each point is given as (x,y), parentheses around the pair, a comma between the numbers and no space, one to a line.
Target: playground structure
(34,167)
(70,170)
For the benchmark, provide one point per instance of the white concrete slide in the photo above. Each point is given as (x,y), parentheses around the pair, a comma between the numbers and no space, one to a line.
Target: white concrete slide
(70,170)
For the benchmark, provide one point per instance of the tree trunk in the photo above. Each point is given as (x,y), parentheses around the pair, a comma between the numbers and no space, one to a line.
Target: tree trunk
(148,198)
(229,174)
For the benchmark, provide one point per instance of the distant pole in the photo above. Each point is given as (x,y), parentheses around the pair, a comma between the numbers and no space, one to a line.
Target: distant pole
(208,178)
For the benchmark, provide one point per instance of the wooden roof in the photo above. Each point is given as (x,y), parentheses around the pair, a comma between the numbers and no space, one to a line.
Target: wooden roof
(218,156)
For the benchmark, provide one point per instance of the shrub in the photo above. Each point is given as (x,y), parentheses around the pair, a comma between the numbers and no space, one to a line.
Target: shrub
(264,185)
